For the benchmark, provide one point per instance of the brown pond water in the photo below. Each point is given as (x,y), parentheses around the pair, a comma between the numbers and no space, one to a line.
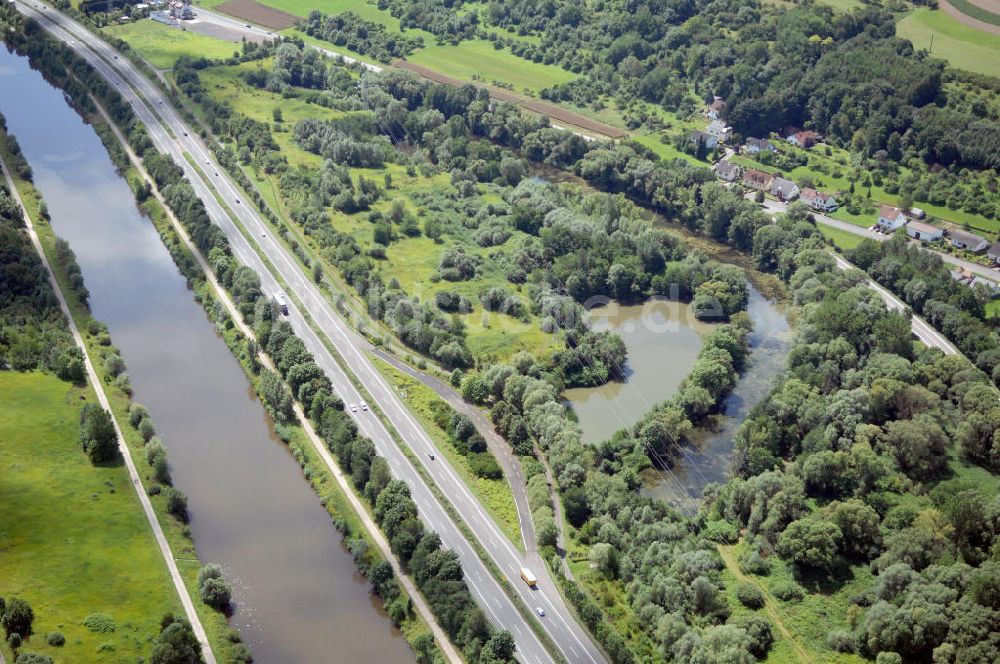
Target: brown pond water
(298,596)
(663,342)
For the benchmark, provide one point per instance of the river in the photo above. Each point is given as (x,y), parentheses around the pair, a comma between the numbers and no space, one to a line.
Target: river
(297,593)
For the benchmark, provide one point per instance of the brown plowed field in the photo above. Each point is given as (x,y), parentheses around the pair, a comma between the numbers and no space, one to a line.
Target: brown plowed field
(557,113)
(269,17)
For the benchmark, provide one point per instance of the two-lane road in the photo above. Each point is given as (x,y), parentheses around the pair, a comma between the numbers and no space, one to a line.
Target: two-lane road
(172,136)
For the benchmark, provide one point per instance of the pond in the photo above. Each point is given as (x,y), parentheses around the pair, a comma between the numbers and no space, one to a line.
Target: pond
(709,456)
(663,340)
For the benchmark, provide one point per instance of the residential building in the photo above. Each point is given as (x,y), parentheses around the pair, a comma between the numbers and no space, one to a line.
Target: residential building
(716,109)
(755,145)
(758,179)
(968,241)
(890,218)
(784,189)
(804,139)
(994,253)
(719,129)
(917,213)
(728,171)
(698,136)
(817,200)
(924,232)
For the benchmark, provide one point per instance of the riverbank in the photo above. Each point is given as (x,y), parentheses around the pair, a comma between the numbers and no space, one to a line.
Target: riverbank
(168,532)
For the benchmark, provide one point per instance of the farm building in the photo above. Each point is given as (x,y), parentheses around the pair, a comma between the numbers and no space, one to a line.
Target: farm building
(969,241)
(923,232)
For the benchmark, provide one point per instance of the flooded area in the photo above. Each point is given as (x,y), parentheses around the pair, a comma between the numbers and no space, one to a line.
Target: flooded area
(297,593)
(663,341)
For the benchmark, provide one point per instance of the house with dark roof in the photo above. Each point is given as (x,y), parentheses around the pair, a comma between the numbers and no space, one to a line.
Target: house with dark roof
(728,171)
(968,241)
(709,141)
(784,189)
(924,232)
(716,108)
(890,218)
(804,139)
(817,200)
(755,145)
(994,253)
(758,179)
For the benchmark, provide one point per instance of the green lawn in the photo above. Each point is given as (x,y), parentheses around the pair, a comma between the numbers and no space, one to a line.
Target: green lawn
(162,44)
(962,46)
(478,58)
(993,309)
(494,494)
(74,538)
(841,239)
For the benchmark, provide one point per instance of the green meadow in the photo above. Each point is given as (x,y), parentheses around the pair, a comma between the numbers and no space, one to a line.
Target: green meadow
(962,46)
(162,44)
(73,535)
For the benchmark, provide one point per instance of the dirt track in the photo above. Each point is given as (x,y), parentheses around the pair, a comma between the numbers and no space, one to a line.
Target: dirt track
(557,113)
(252,11)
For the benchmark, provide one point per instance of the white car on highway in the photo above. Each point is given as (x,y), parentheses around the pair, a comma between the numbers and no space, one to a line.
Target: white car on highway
(354,408)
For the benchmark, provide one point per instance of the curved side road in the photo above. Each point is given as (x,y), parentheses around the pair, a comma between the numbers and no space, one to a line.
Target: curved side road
(921,328)
(418,599)
(140,492)
(255,244)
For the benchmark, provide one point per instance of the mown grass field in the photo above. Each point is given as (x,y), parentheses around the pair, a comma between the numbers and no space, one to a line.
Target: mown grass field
(962,46)
(494,494)
(73,537)
(841,239)
(162,44)
(477,60)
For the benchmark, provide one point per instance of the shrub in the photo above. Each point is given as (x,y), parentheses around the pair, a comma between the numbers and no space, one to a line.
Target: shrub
(55,639)
(753,563)
(14,641)
(100,622)
(146,429)
(788,591)
(32,658)
(841,640)
(136,413)
(750,596)
(485,465)
(216,593)
(720,531)
(176,504)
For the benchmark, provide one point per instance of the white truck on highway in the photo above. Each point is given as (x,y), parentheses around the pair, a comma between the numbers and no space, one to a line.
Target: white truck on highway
(282,303)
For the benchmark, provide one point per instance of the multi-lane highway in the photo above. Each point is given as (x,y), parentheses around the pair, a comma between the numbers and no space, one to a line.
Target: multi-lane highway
(252,239)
